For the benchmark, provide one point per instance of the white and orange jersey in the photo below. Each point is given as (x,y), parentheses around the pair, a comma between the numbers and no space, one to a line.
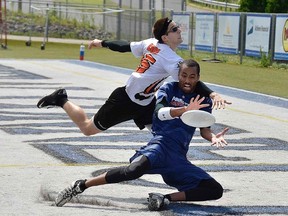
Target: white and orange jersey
(158,62)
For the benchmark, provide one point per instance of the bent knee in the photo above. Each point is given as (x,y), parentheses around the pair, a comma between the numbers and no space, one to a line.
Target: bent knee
(87,133)
(89,129)
(137,169)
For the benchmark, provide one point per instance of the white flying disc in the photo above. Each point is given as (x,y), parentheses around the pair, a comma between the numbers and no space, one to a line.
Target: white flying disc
(198,118)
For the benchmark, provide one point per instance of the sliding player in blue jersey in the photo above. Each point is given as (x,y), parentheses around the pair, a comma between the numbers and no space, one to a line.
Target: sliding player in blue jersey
(166,153)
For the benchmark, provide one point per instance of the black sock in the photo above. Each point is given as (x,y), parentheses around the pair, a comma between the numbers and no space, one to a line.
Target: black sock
(62,101)
(168,197)
(82,185)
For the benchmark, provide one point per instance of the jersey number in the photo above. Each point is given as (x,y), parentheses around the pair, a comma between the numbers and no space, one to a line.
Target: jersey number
(146,61)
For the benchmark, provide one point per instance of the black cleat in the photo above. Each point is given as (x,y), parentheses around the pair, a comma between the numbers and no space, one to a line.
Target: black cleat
(53,99)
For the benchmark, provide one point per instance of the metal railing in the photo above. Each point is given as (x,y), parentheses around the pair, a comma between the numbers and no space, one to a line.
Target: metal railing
(88,20)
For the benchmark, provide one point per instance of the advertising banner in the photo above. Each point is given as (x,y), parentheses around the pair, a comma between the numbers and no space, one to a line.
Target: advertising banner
(281,37)
(183,21)
(228,33)
(204,32)
(257,34)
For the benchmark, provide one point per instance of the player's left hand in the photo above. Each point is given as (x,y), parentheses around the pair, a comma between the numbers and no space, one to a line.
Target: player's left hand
(218,140)
(218,101)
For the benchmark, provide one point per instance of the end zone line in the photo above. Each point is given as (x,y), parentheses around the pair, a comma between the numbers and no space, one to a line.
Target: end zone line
(61,165)
(260,115)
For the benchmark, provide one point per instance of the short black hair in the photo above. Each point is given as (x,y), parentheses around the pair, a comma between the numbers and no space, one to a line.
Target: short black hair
(190,63)
(160,28)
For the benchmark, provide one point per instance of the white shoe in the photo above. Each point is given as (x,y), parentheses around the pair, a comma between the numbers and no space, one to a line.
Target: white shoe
(66,195)
(157,202)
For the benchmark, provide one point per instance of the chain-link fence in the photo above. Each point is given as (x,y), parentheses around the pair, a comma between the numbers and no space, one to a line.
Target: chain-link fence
(57,19)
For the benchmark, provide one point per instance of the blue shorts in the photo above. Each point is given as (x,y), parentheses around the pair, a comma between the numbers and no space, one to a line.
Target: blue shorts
(174,167)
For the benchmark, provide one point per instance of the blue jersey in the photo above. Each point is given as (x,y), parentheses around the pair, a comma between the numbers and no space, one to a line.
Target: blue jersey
(176,134)
(167,149)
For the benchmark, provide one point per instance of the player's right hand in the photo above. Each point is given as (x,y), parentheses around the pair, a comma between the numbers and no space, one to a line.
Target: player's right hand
(95,43)
(195,103)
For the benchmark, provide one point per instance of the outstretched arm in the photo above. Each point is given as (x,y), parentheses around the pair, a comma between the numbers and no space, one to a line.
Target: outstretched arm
(117,45)
(218,101)
(204,90)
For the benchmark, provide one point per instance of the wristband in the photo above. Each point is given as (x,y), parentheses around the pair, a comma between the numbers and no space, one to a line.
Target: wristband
(164,114)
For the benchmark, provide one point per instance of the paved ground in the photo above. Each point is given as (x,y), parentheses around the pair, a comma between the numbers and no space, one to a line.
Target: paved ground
(41,151)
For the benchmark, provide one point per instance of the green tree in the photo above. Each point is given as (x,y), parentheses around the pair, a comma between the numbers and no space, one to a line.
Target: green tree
(264,6)
(277,6)
(253,5)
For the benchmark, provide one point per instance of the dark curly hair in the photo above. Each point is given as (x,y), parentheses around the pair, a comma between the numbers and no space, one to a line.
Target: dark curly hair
(190,63)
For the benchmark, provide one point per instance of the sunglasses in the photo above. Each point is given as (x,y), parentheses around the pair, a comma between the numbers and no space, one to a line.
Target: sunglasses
(174,29)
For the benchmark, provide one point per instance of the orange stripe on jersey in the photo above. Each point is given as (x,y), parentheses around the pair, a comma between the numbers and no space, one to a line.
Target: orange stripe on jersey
(153,87)
(153,49)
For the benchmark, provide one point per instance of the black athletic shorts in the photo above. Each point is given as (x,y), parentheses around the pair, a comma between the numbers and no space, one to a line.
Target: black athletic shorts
(119,108)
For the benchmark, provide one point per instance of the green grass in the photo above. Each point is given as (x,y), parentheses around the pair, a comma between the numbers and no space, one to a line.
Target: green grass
(270,81)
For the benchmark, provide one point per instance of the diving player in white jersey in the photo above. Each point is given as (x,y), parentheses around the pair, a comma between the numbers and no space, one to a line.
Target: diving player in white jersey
(135,100)
(158,62)
(166,153)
